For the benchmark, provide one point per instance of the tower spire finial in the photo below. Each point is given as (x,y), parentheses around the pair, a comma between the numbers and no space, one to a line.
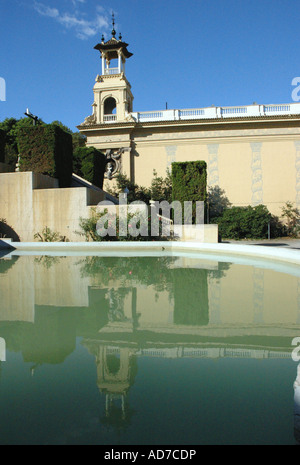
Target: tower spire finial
(113,32)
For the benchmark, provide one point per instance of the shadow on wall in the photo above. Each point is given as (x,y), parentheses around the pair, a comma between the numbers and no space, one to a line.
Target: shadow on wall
(8,232)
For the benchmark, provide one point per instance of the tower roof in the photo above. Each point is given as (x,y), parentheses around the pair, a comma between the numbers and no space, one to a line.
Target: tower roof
(113,45)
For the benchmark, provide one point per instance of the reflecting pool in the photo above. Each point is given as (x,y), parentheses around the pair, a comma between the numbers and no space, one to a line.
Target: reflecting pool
(147,351)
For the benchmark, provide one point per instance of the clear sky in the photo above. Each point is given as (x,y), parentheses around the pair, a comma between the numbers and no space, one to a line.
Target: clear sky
(188,53)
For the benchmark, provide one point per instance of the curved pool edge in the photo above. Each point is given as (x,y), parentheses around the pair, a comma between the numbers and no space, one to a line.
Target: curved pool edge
(173,247)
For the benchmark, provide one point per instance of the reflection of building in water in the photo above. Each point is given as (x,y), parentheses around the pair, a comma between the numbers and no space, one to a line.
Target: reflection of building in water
(116,305)
(178,292)
(190,296)
(297,406)
(179,301)
(258,295)
(125,309)
(117,369)
(212,352)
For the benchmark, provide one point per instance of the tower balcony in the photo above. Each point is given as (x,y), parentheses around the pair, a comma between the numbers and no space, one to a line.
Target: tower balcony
(109,118)
(111,71)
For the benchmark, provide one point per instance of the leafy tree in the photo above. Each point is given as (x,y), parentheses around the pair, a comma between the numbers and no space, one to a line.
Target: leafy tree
(217,202)
(292,216)
(161,188)
(62,126)
(134,192)
(78,139)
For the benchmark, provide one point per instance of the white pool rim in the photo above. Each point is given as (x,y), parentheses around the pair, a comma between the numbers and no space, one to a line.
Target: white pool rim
(223,252)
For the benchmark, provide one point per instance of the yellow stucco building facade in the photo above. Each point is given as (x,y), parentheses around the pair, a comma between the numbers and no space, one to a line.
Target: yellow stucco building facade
(252,152)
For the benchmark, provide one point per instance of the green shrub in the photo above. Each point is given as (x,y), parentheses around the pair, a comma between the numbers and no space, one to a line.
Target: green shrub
(89,163)
(247,223)
(47,235)
(189,183)
(88,228)
(46,149)
(2,146)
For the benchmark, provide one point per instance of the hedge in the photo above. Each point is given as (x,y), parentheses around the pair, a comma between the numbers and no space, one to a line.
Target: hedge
(189,182)
(89,163)
(248,223)
(2,146)
(48,150)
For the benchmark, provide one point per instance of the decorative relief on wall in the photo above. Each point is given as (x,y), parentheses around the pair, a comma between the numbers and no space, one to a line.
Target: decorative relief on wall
(171,155)
(297,166)
(257,179)
(212,165)
(92,119)
(114,162)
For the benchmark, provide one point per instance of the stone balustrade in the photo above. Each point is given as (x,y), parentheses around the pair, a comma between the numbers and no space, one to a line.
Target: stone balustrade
(218,112)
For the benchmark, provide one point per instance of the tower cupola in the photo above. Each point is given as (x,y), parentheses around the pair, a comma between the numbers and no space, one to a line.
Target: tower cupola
(111,50)
(112,92)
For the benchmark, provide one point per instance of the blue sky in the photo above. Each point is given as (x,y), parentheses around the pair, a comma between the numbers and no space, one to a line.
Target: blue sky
(190,54)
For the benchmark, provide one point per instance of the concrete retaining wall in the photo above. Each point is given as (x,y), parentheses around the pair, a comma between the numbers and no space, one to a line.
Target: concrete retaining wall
(29,202)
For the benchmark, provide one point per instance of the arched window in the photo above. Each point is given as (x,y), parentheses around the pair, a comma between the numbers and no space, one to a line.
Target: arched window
(110,106)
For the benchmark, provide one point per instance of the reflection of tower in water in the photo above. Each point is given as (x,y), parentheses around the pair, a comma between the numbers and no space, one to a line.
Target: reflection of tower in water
(116,371)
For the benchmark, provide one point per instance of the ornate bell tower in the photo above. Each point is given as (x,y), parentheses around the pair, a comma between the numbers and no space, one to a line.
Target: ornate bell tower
(109,127)
(112,92)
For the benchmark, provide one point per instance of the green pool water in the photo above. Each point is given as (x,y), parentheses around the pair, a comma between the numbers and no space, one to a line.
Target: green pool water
(147,351)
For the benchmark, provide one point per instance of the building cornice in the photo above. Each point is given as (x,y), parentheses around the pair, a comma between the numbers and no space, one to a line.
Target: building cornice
(190,123)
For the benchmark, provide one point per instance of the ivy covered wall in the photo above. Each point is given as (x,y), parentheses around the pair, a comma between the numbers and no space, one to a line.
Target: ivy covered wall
(189,180)
(47,150)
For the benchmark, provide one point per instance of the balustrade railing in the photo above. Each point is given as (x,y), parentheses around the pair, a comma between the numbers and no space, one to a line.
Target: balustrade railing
(109,71)
(218,112)
(234,111)
(277,108)
(109,118)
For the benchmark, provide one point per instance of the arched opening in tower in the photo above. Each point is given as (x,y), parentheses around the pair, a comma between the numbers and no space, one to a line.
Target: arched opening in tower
(110,106)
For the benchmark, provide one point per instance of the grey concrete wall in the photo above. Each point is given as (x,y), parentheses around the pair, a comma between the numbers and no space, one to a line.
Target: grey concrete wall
(29,202)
